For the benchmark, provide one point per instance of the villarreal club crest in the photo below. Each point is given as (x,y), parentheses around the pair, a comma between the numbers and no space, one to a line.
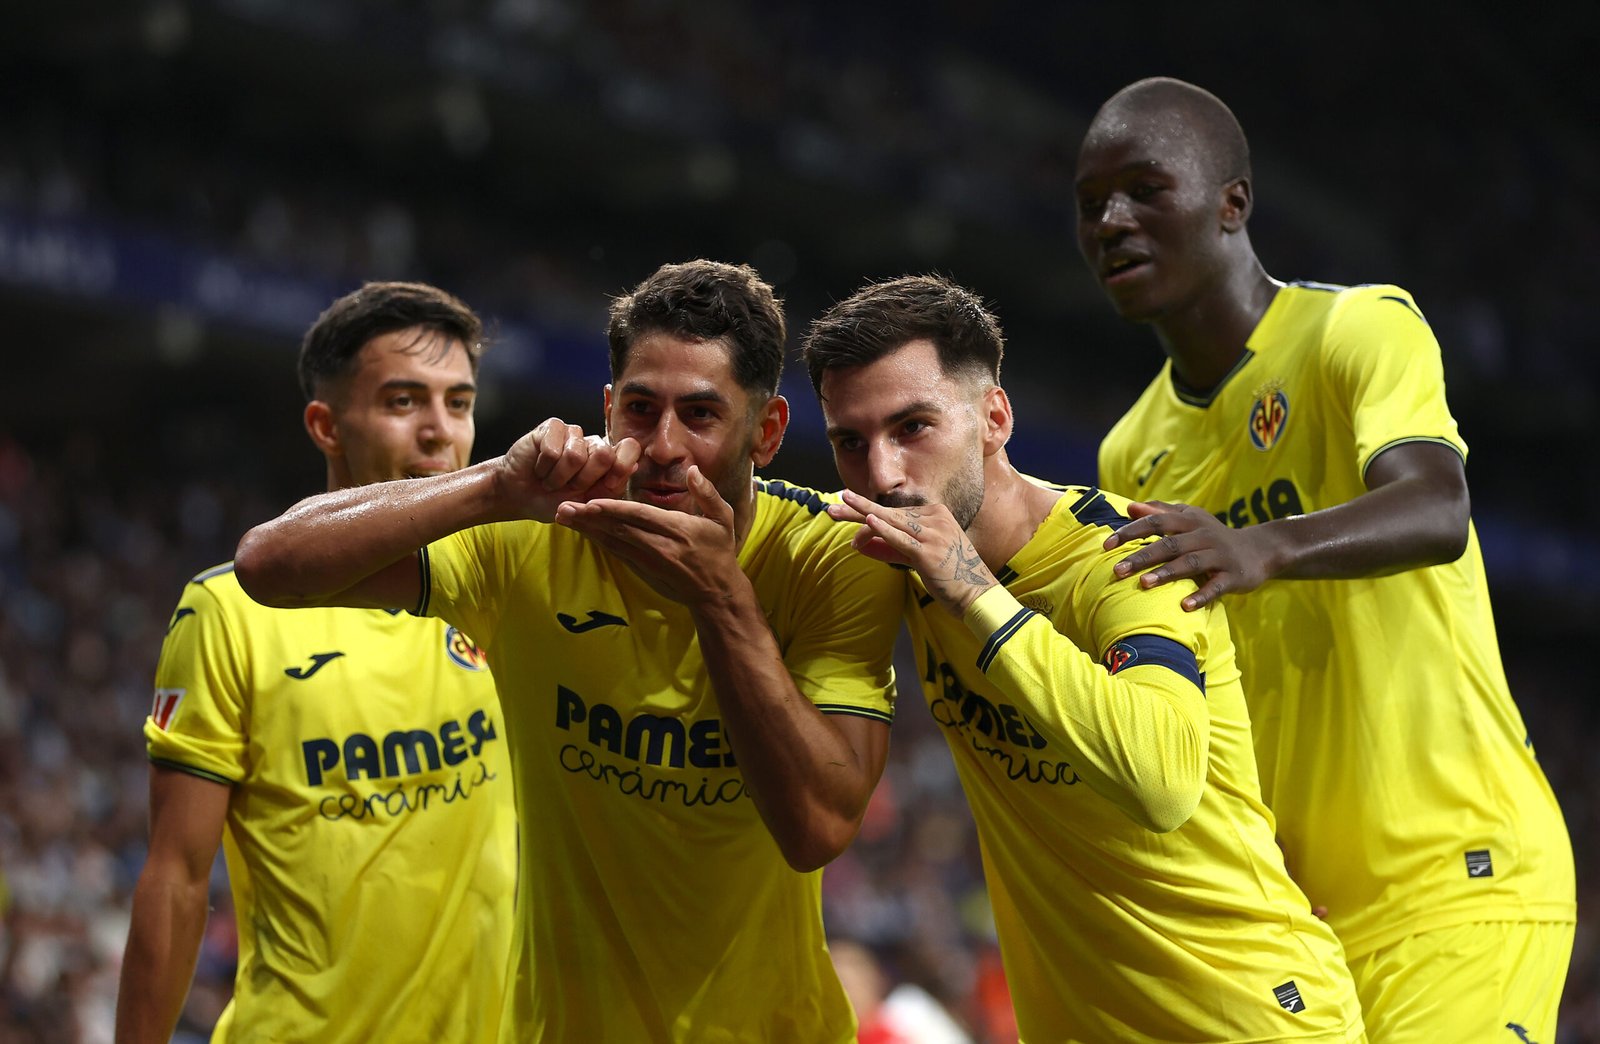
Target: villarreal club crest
(1269,412)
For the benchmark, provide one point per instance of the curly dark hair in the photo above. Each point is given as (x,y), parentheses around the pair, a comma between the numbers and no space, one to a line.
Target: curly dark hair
(881,318)
(330,347)
(706,301)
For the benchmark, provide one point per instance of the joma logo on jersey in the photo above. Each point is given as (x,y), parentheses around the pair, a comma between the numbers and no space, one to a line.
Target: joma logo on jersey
(1267,417)
(464,651)
(404,752)
(650,738)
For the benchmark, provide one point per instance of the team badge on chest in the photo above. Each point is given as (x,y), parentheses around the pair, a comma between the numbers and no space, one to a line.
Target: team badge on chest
(1269,413)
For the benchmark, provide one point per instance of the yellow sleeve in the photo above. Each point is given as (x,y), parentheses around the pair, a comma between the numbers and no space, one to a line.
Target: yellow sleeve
(1384,362)
(199,719)
(464,578)
(842,654)
(1138,735)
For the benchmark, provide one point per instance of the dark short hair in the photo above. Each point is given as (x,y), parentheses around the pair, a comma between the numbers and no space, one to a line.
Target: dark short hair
(706,301)
(881,318)
(330,347)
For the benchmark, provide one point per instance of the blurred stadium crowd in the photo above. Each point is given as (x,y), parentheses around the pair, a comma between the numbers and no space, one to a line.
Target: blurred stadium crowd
(183,185)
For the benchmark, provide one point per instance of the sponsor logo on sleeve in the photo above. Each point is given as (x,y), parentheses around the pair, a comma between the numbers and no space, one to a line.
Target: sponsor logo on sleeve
(165,706)
(1119,656)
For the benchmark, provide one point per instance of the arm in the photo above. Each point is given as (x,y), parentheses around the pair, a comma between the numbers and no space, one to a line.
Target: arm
(809,774)
(358,547)
(1139,739)
(1414,513)
(170,903)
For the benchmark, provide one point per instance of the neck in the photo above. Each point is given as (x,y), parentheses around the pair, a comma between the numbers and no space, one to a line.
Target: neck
(1012,509)
(1206,339)
(744,512)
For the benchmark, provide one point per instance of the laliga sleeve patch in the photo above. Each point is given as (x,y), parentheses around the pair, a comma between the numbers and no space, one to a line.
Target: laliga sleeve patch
(165,706)
(1151,649)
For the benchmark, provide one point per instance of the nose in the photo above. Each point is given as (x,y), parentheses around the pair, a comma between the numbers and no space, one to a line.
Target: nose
(886,472)
(665,445)
(435,430)
(1115,218)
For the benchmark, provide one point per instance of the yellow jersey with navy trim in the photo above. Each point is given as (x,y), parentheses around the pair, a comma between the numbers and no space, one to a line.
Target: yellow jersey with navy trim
(658,906)
(370,835)
(1404,782)
(1102,740)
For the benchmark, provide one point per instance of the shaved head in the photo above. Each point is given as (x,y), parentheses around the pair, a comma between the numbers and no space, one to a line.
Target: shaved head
(1178,112)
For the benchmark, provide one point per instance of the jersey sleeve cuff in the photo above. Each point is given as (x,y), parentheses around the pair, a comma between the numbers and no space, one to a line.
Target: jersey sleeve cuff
(993,618)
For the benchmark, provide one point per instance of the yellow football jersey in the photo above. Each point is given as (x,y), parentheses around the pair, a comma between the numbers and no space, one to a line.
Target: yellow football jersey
(659,908)
(370,834)
(1101,737)
(1405,785)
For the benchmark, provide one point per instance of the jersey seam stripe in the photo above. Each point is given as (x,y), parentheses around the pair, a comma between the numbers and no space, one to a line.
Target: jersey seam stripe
(1207,398)
(846,710)
(1087,501)
(179,766)
(1406,304)
(213,573)
(1387,446)
(806,498)
(426,582)
(991,649)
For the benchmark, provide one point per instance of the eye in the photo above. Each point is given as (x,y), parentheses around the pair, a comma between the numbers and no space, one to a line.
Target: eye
(914,427)
(461,403)
(1145,191)
(847,444)
(401,400)
(1089,206)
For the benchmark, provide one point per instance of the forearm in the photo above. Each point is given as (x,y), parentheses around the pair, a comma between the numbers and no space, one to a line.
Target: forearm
(1140,740)
(808,782)
(169,917)
(328,543)
(1404,524)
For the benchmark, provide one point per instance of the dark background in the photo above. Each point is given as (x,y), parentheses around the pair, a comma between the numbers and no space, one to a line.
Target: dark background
(184,185)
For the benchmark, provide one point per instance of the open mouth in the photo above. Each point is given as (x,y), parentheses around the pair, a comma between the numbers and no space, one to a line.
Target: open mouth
(1118,269)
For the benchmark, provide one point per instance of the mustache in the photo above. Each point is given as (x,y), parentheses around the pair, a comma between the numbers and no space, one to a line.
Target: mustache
(902,500)
(676,475)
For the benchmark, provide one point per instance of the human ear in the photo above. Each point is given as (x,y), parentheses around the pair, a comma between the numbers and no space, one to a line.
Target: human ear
(1237,202)
(322,426)
(771,423)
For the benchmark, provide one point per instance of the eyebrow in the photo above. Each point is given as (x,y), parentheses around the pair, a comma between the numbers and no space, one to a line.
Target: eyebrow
(401,383)
(702,395)
(1150,165)
(903,413)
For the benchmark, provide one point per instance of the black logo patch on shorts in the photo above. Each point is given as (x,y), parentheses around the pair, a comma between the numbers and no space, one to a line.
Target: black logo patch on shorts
(1478,864)
(1289,997)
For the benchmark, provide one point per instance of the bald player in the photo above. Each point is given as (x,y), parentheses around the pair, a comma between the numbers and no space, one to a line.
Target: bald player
(1297,459)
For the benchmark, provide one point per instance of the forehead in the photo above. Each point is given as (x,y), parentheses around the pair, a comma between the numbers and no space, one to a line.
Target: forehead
(859,396)
(1125,140)
(413,354)
(670,365)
